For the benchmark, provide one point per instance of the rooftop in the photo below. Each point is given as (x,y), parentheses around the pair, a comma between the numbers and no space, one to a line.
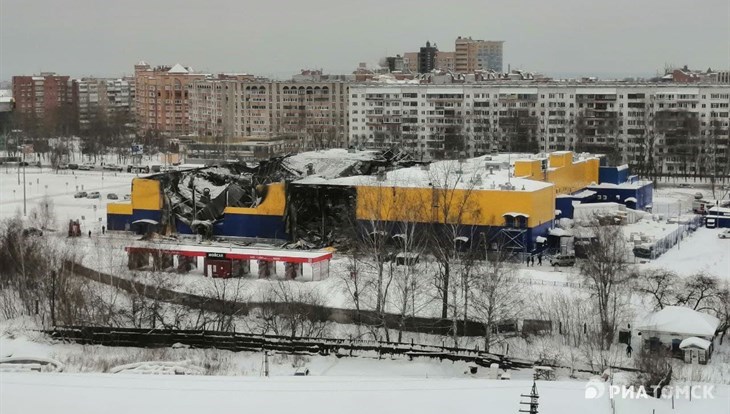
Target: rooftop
(471,174)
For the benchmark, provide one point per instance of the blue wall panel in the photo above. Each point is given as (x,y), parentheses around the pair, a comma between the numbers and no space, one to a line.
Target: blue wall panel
(248,225)
(118,221)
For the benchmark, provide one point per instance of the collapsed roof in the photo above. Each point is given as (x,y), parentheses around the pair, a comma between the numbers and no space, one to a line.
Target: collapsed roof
(199,196)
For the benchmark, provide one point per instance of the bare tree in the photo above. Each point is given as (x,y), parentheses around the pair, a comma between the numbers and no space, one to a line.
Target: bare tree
(289,309)
(496,296)
(606,271)
(700,292)
(43,215)
(452,204)
(660,284)
(410,284)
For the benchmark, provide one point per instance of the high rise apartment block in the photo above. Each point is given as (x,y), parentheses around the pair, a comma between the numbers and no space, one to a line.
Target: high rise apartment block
(675,128)
(104,96)
(313,112)
(162,101)
(42,95)
(472,55)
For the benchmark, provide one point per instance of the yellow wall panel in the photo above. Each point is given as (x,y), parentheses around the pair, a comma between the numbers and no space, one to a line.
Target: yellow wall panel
(119,208)
(146,194)
(468,207)
(273,204)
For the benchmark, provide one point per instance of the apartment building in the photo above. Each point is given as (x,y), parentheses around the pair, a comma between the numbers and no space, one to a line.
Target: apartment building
(312,112)
(670,129)
(161,101)
(427,58)
(472,55)
(410,61)
(108,96)
(42,95)
(445,61)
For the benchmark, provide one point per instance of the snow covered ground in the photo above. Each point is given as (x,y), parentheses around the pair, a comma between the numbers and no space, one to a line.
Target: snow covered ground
(121,393)
(703,251)
(336,385)
(60,188)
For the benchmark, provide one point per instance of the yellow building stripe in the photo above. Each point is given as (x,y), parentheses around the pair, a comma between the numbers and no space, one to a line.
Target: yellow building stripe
(124,209)
(465,207)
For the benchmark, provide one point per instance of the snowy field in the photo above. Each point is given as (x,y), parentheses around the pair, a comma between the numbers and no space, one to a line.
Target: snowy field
(351,385)
(60,188)
(112,394)
(334,385)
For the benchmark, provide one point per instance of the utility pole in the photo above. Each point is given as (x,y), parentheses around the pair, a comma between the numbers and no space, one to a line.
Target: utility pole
(53,297)
(25,212)
(266,363)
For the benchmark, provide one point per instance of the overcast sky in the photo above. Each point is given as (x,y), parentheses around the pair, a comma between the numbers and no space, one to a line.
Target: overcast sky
(277,38)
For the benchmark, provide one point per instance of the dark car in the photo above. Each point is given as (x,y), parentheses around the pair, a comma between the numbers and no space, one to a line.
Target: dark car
(80,194)
(73,166)
(32,232)
(112,196)
(644,252)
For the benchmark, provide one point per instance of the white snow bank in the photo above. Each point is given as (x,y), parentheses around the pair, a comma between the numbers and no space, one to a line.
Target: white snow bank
(159,368)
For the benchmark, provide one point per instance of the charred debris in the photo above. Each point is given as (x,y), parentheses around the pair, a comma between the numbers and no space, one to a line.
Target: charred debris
(316,215)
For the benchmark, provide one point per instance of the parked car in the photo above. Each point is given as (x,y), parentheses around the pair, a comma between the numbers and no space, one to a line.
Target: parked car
(32,231)
(562,260)
(94,194)
(113,167)
(85,167)
(63,166)
(138,169)
(685,185)
(725,234)
(112,196)
(127,197)
(80,194)
(73,166)
(644,252)
(156,168)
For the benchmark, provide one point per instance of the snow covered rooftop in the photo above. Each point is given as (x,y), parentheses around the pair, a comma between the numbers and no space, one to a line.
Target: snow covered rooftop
(178,68)
(680,320)
(695,342)
(715,210)
(328,164)
(469,174)
(627,185)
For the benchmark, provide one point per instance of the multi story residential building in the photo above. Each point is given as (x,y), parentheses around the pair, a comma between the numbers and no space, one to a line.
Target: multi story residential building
(395,63)
(312,112)
(107,96)
(445,61)
(410,61)
(472,55)
(43,94)
(161,101)
(657,128)
(46,104)
(427,58)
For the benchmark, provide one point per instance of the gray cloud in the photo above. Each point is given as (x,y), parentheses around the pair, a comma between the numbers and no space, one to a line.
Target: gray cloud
(104,38)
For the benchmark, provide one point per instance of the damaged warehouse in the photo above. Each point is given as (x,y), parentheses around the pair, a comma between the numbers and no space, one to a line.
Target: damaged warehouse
(260,201)
(328,198)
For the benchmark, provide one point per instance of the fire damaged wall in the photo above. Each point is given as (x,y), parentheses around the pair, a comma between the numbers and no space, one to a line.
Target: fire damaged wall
(321,215)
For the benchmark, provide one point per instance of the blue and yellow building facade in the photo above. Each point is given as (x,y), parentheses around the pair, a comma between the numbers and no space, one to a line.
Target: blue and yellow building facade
(145,203)
(523,212)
